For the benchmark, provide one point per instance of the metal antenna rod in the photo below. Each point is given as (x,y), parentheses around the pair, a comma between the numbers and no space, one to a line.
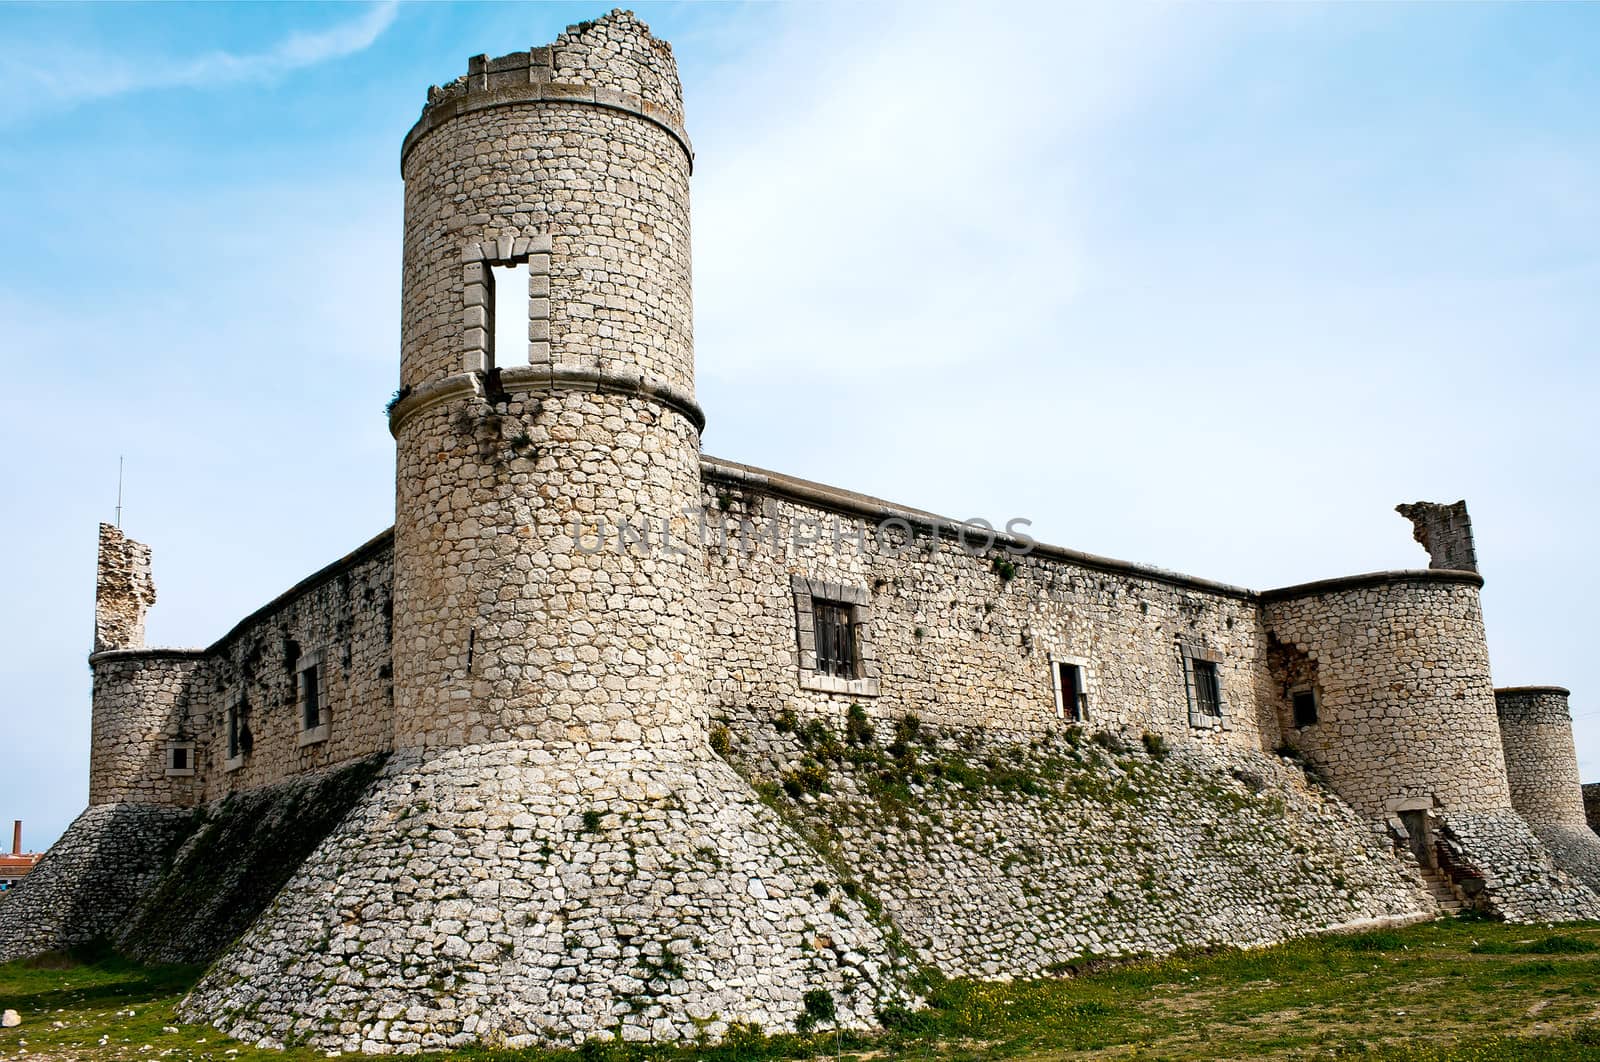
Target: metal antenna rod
(119,492)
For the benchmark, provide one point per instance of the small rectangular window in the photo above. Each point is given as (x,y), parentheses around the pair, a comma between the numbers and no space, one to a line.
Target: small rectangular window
(310,699)
(509,314)
(234,745)
(1304,703)
(1207,688)
(836,638)
(1073,698)
(180,758)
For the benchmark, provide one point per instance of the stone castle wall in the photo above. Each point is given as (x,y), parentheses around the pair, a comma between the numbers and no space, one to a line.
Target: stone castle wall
(961,638)
(531,638)
(148,700)
(1445,531)
(1405,704)
(1542,771)
(1002,858)
(142,700)
(615,806)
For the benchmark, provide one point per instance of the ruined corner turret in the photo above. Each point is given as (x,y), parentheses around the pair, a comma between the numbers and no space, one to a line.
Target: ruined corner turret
(123,592)
(1445,531)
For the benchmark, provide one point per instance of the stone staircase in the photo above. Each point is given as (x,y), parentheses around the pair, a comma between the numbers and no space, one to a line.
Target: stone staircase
(1438,885)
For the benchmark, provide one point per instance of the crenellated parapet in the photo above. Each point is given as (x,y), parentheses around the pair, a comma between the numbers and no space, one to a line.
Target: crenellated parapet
(612,62)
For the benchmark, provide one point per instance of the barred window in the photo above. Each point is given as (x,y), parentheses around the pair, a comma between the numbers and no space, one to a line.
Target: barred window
(836,638)
(1207,688)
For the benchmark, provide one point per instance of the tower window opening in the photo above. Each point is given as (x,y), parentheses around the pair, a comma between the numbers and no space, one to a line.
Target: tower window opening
(1304,704)
(180,759)
(508,314)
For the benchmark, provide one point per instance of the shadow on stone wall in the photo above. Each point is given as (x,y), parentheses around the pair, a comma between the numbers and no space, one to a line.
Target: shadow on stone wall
(238,853)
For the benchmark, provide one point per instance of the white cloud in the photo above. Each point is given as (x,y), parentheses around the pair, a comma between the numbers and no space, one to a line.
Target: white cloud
(903,177)
(58,78)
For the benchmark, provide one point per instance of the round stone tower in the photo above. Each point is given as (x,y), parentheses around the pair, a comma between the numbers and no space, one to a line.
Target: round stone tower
(545,560)
(1541,759)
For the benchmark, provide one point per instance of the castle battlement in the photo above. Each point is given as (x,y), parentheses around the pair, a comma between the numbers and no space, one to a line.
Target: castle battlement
(613,61)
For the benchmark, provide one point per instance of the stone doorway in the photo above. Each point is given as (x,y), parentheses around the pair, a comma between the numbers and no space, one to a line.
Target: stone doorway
(1419,831)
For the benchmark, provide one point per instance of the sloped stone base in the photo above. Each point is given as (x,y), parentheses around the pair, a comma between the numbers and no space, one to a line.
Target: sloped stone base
(515,895)
(1574,849)
(1501,857)
(237,855)
(84,888)
(1001,857)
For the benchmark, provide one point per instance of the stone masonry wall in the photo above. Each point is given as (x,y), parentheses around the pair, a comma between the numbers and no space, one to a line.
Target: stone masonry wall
(1405,702)
(1513,872)
(83,889)
(1445,531)
(1541,759)
(146,700)
(998,858)
(506,629)
(519,895)
(142,699)
(608,184)
(124,591)
(236,854)
(1591,804)
(958,638)
(1542,771)
(342,619)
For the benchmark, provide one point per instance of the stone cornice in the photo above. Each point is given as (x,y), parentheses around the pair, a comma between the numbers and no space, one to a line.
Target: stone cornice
(524,379)
(441,111)
(1371,579)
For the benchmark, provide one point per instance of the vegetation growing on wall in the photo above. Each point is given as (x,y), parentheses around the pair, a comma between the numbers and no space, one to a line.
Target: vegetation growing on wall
(995,855)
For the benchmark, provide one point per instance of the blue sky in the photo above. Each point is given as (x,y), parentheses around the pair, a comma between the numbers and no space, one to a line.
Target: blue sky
(1210,287)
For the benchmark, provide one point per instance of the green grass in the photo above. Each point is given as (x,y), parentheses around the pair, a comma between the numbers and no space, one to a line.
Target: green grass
(1450,990)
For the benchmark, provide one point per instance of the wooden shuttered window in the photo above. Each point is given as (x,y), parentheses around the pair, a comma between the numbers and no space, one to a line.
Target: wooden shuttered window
(1207,688)
(836,638)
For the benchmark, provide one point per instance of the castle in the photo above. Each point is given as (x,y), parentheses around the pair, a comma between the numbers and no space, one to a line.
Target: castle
(610,738)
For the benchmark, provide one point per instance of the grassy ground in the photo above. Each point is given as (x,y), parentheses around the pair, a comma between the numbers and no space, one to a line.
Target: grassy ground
(1445,990)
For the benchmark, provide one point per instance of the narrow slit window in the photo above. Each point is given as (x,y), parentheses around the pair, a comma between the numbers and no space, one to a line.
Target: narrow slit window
(310,698)
(508,293)
(235,745)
